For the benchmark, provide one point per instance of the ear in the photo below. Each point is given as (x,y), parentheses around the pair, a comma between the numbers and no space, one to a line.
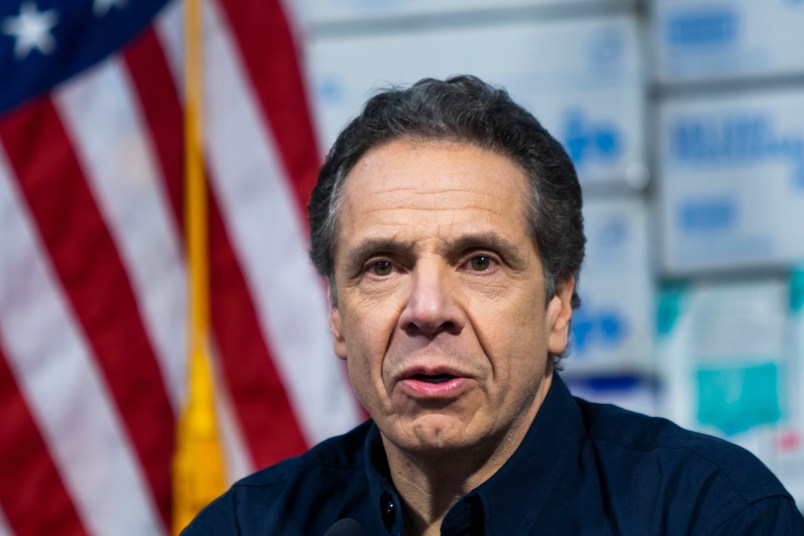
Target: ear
(338,342)
(559,314)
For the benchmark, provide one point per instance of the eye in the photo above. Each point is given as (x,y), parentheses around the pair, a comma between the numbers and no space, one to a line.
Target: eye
(480,263)
(382,268)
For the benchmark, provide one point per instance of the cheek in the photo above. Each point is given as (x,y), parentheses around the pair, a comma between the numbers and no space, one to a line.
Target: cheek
(366,338)
(513,336)
(365,366)
(521,304)
(360,377)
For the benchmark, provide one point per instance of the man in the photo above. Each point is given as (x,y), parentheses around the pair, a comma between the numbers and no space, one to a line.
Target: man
(448,223)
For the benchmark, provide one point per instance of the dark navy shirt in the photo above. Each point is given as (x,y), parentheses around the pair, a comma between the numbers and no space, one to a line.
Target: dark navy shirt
(582,469)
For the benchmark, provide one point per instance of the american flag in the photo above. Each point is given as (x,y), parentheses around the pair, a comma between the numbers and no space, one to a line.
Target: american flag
(92,266)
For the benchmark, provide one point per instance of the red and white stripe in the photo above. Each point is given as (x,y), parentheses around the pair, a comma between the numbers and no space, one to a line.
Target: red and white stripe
(93,277)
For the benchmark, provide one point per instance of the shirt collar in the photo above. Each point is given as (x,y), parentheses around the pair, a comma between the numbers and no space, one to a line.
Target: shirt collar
(510,501)
(513,497)
(381,490)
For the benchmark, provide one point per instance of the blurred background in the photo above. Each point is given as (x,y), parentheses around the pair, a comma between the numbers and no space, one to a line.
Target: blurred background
(685,120)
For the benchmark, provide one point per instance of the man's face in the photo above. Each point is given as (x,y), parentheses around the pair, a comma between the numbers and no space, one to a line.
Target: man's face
(441,311)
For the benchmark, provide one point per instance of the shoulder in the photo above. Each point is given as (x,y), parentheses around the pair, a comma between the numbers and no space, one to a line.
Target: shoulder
(344,452)
(618,429)
(702,480)
(328,476)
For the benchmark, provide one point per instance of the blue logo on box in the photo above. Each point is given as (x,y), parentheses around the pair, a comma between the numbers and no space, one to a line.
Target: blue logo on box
(587,141)
(733,140)
(706,27)
(592,328)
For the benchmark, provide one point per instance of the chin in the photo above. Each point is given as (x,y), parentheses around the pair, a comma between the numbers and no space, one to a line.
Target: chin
(434,434)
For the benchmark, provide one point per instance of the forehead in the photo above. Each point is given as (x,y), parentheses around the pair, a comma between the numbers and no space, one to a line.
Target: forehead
(436,185)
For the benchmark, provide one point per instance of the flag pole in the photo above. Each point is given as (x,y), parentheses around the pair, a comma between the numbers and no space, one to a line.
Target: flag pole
(198,462)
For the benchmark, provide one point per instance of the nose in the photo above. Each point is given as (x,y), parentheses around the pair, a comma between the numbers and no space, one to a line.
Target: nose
(431,307)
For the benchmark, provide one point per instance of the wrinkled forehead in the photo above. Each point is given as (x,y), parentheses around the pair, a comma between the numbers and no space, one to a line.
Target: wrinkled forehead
(409,181)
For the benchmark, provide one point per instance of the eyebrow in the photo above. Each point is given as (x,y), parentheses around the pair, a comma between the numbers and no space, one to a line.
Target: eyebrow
(372,246)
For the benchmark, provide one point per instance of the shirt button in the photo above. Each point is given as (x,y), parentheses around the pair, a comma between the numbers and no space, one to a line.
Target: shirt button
(388,511)
(389,508)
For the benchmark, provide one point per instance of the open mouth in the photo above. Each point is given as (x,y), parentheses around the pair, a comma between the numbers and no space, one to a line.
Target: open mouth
(434,378)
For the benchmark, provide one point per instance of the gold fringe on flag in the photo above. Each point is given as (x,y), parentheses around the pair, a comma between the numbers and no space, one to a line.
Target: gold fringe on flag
(198,475)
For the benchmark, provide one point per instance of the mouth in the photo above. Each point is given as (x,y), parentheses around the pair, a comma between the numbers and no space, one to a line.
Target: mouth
(432,378)
(433,384)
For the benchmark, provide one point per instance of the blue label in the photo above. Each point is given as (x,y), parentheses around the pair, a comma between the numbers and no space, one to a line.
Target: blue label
(735,398)
(797,290)
(715,214)
(671,300)
(710,26)
(733,140)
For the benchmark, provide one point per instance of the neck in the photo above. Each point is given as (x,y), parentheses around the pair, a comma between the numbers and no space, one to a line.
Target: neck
(430,487)
(431,482)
